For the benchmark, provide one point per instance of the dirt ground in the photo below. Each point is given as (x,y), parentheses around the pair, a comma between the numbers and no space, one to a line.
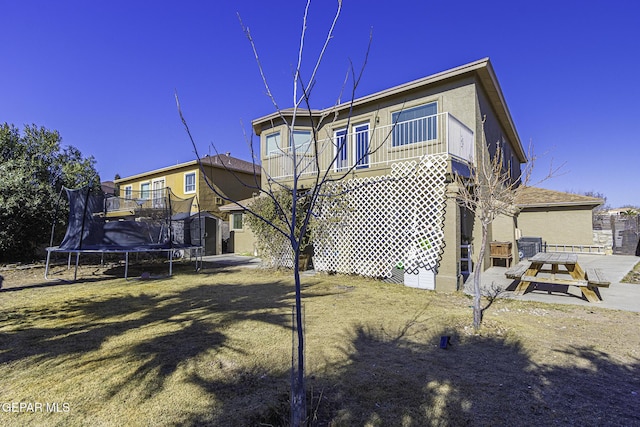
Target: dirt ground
(32,275)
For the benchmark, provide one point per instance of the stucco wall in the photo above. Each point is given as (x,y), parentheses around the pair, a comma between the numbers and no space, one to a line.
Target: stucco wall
(242,241)
(465,99)
(455,97)
(494,136)
(558,226)
(503,230)
(235,185)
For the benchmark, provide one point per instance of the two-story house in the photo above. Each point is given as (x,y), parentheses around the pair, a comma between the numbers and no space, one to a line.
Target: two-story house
(233,178)
(396,208)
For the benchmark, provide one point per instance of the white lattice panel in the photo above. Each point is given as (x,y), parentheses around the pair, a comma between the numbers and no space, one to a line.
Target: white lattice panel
(371,225)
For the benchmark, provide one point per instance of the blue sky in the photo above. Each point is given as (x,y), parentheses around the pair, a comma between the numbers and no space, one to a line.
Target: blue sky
(104,73)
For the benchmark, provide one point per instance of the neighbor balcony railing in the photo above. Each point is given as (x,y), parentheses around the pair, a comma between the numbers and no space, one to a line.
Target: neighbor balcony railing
(377,146)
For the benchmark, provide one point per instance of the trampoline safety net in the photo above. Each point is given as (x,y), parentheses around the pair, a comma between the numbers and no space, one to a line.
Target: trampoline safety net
(152,220)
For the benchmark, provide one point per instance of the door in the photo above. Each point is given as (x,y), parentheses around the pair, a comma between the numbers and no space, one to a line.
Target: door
(158,194)
(340,138)
(361,145)
(210,235)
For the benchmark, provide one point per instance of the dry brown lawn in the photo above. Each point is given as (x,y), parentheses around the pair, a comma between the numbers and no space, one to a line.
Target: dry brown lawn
(633,276)
(214,348)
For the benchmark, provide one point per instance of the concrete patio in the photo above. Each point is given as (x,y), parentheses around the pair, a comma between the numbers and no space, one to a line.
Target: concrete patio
(618,296)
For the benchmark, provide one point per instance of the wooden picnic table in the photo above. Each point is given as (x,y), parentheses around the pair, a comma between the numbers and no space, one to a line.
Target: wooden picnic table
(564,264)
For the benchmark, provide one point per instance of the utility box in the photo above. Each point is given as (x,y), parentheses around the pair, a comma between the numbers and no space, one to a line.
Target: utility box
(425,279)
(529,247)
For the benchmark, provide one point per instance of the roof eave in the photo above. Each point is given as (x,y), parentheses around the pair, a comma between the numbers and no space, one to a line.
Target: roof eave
(482,67)
(155,171)
(557,204)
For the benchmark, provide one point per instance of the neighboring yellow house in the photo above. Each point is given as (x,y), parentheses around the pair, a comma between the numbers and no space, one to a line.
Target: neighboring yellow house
(401,147)
(233,178)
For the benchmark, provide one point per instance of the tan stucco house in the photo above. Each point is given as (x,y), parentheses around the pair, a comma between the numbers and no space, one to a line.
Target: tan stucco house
(233,178)
(241,238)
(402,147)
(564,221)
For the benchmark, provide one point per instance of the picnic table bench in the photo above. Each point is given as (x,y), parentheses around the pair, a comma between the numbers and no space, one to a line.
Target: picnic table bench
(517,270)
(586,280)
(597,277)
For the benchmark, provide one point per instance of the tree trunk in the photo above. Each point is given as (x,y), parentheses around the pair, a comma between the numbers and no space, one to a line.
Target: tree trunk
(298,391)
(477,294)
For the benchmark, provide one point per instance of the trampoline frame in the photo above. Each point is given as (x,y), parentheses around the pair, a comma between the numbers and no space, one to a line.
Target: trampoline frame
(126,252)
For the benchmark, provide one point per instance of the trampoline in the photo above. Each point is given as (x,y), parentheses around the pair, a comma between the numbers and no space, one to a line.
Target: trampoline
(149,222)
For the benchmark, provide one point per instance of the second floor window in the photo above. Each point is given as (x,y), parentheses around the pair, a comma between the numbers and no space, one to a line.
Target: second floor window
(361,144)
(273,143)
(190,182)
(145,191)
(302,141)
(158,193)
(128,192)
(342,157)
(415,125)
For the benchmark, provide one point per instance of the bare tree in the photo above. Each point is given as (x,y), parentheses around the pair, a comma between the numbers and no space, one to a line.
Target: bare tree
(489,192)
(291,216)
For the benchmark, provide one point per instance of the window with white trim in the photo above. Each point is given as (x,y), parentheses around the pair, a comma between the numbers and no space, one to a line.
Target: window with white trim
(301,139)
(361,145)
(341,149)
(128,192)
(413,125)
(158,193)
(272,145)
(190,182)
(145,191)
(236,221)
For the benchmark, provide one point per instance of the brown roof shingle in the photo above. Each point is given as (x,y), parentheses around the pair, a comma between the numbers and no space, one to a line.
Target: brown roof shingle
(541,197)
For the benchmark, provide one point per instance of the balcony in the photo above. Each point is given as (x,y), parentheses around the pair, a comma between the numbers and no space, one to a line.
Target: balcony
(376,147)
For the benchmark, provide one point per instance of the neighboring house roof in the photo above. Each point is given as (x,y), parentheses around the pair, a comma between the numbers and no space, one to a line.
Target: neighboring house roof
(108,187)
(534,197)
(621,211)
(482,68)
(240,205)
(221,161)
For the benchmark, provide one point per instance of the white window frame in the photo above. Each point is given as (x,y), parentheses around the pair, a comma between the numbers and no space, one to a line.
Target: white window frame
(354,141)
(158,201)
(128,191)
(232,223)
(278,141)
(430,128)
(304,147)
(343,164)
(195,182)
(148,191)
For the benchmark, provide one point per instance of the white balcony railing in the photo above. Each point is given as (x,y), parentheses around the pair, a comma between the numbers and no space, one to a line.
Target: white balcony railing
(377,146)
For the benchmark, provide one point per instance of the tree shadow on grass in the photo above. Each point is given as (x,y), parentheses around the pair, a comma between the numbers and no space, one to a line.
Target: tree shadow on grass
(188,322)
(385,379)
(393,381)
(477,381)
(51,283)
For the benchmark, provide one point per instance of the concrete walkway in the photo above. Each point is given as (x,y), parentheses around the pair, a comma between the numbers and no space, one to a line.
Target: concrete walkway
(618,296)
(233,260)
